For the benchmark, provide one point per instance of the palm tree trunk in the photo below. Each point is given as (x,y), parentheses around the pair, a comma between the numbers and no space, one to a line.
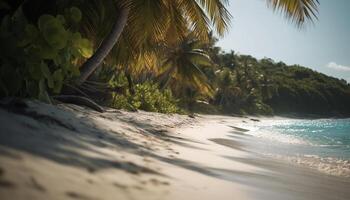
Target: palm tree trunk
(165,77)
(106,46)
(130,83)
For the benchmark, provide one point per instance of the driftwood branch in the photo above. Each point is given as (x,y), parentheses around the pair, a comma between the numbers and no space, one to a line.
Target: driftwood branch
(79,100)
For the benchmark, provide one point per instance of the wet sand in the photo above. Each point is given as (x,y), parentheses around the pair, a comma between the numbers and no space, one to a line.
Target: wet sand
(68,152)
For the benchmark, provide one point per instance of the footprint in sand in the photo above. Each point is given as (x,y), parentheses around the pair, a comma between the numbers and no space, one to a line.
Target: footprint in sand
(158,182)
(138,187)
(36,185)
(75,195)
(90,181)
(5,183)
(121,186)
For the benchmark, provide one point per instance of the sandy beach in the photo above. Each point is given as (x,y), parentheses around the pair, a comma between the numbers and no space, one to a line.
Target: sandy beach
(70,152)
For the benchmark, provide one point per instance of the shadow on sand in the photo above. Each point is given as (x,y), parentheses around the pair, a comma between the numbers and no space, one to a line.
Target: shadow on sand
(62,135)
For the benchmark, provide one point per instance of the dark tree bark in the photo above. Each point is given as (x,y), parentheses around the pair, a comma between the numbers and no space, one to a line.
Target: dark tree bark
(130,83)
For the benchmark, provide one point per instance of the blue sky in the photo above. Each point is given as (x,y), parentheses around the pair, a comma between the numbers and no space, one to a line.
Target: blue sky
(325,46)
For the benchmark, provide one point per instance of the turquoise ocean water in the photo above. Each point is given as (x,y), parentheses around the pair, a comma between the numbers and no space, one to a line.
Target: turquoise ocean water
(322,144)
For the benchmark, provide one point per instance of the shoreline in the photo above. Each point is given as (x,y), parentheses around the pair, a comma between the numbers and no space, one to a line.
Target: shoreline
(69,152)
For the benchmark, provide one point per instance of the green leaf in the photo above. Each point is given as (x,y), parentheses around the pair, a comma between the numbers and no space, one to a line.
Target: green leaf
(47,52)
(57,75)
(58,80)
(30,33)
(56,61)
(76,37)
(61,19)
(47,74)
(50,83)
(85,48)
(44,20)
(45,70)
(35,71)
(75,52)
(75,14)
(53,31)
(43,95)
(58,87)
(75,71)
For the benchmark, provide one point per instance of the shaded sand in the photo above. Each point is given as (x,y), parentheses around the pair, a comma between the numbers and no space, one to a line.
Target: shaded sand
(69,152)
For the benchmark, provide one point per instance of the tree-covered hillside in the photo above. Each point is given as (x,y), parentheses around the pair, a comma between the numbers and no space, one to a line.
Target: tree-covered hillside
(268,86)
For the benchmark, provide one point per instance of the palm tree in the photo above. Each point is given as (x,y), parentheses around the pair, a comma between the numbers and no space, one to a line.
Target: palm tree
(144,21)
(147,20)
(227,91)
(181,66)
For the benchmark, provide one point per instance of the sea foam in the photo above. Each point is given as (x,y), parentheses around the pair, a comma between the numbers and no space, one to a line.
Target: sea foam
(322,144)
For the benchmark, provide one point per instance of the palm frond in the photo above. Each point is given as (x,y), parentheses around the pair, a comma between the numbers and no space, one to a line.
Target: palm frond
(298,11)
(218,14)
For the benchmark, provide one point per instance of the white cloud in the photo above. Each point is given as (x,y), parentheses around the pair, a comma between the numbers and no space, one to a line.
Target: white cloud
(338,67)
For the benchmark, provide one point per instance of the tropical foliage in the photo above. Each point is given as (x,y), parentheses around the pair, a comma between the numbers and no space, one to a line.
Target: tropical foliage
(150,22)
(38,58)
(154,55)
(147,96)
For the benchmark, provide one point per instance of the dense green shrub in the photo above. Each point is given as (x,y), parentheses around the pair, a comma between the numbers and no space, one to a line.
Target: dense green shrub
(36,59)
(147,97)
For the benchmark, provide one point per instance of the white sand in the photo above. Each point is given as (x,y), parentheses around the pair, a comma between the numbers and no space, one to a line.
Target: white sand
(69,152)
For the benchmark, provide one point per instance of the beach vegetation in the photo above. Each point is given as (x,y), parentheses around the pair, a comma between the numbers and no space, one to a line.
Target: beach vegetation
(154,55)
(37,59)
(147,96)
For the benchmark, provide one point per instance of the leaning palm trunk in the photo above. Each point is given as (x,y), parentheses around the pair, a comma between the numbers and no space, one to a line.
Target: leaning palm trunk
(106,46)
(165,77)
